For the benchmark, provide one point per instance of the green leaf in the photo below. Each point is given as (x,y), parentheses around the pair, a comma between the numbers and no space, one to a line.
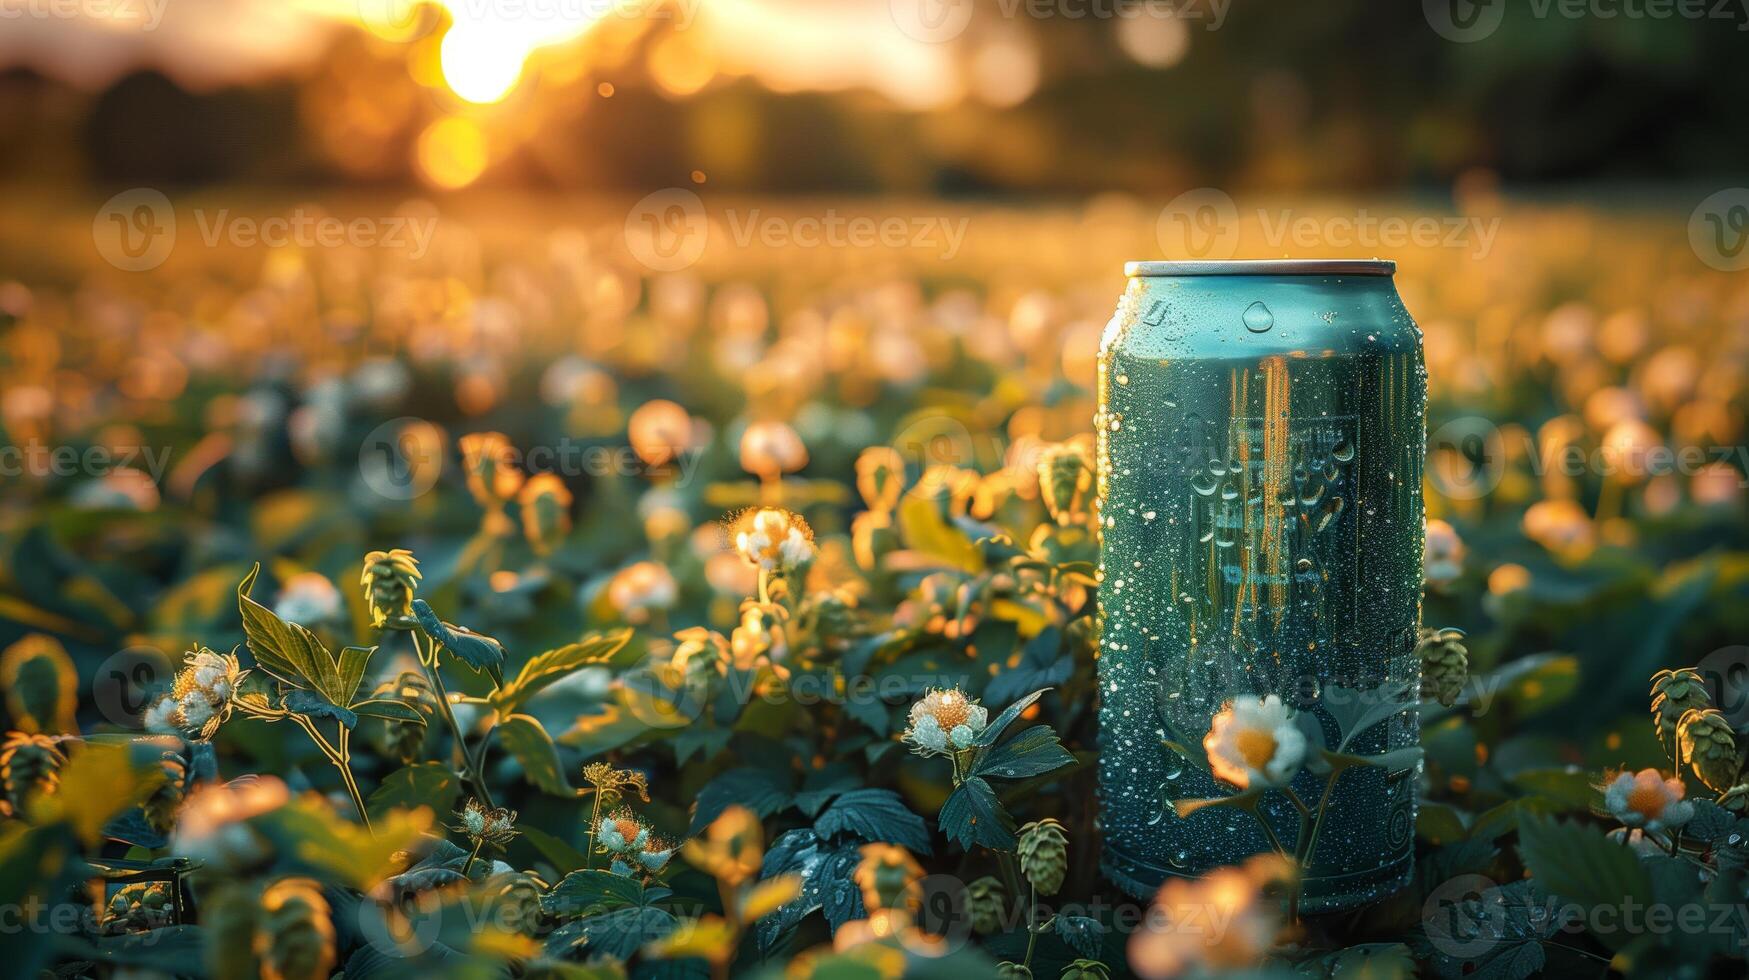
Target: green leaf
(286,650)
(927,532)
(313,705)
(389,709)
(874,815)
(99,781)
(1368,961)
(527,740)
(1396,759)
(561,854)
(353,661)
(1570,788)
(590,893)
(1357,711)
(596,649)
(430,784)
(973,815)
(479,651)
(994,730)
(1043,664)
(1578,863)
(619,934)
(1034,751)
(764,791)
(1439,823)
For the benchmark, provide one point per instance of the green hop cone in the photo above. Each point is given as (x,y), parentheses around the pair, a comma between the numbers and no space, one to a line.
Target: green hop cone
(832,617)
(404,740)
(227,918)
(1044,855)
(138,907)
(1709,747)
(984,900)
(29,764)
(1065,480)
(1445,664)
(1086,970)
(516,901)
(1675,693)
(390,578)
(294,936)
(1013,971)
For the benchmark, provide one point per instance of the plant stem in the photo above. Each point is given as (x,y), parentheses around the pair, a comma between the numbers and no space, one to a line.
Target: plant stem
(1031,926)
(427,651)
(341,759)
(594,821)
(479,842)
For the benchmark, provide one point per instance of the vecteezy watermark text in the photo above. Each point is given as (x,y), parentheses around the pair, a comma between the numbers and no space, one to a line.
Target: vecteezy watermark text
(37,459)
(141,15)
(670,230)
(136,230)
(1467,21)
(1207,224)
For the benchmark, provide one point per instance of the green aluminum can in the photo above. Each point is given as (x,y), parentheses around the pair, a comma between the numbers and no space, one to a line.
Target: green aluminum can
(1261,430)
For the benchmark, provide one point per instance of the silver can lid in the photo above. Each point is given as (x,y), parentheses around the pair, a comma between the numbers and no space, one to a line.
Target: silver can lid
(1264,267)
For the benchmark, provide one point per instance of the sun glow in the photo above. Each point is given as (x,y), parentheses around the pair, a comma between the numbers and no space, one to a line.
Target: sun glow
(485,51)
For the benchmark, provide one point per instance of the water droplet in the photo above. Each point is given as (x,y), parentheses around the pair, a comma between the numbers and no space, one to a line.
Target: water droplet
(1257,318)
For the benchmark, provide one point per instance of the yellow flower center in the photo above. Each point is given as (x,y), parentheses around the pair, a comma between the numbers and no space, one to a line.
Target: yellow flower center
(1256,746)
(1647,800)
(951,711)
(627,828)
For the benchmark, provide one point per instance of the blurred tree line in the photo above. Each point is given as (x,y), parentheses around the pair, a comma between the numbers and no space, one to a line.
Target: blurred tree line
(1336,95)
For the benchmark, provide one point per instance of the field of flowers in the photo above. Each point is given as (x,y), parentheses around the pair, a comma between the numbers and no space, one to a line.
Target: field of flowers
(559,598)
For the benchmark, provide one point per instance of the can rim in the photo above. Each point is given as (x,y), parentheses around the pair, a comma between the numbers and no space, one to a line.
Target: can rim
(1264,267)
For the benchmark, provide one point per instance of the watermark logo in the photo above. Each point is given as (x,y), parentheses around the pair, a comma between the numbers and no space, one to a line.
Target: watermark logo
(931,21)
(402,458)
(1726,672)
(1465,916)
(1466,458)
(1718,230)
(135,230)
(1468,21)
(667,231)
(1464,21)
(127,682)
(1199,225)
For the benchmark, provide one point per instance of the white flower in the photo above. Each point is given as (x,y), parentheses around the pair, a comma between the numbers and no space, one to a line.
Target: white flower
(608,835)
(1254,742)
(196,710)
(159,717)
(775,540)
(655,860)
(309,599)
(944,719)
(928,734)
(1647,800)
